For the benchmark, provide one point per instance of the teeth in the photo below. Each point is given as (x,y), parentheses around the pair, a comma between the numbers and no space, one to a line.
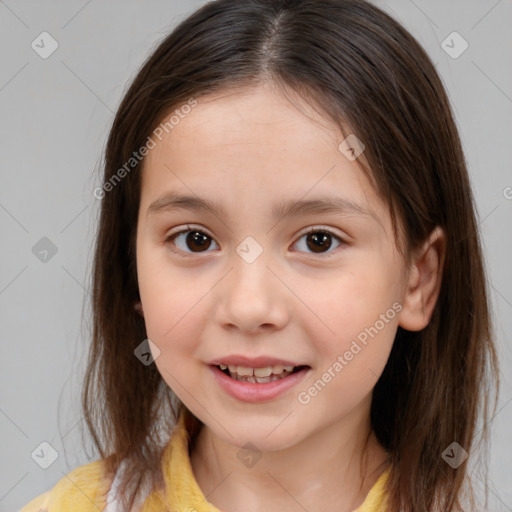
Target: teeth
(244,370)
(265,374)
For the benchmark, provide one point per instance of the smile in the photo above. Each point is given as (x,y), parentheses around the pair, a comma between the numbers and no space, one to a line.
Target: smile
(259,375)
(251,388)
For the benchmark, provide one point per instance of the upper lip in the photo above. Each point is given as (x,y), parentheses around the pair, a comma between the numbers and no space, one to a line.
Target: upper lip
(253,362)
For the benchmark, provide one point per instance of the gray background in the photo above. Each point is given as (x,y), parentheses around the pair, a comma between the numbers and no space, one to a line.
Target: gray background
(55,114)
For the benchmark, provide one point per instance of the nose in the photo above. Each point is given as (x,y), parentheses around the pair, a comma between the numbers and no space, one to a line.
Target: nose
(252,298)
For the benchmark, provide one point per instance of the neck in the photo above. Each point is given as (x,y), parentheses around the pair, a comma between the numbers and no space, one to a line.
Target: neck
(333,468)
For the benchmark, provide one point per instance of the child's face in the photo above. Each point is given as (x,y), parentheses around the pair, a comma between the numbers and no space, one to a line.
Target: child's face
(300,300)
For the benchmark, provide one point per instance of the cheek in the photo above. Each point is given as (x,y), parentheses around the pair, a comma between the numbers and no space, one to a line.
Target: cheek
(359,314)
(168,297)
(351,368)
(173,320)
(360,343)
(174,323)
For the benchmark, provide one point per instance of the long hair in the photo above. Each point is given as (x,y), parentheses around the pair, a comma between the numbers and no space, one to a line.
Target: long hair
(367,73)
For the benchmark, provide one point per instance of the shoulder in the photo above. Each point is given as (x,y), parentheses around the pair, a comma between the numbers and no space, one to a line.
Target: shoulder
(83,489)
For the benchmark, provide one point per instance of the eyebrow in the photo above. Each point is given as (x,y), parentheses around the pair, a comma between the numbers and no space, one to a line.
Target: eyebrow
(289,208)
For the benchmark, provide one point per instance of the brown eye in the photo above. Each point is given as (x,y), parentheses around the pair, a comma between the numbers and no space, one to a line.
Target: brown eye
(190,241)
(319,241)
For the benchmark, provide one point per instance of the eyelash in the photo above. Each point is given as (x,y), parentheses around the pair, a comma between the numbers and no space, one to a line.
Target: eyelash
(171,236)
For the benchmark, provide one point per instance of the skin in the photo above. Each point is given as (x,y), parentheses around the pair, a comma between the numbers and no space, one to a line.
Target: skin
(249,149)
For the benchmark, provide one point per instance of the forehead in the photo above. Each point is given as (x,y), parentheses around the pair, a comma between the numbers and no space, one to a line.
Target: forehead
(256,116)
(256,144)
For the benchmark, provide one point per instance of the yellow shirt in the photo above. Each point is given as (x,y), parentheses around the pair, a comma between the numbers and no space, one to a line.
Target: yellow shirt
(85,488)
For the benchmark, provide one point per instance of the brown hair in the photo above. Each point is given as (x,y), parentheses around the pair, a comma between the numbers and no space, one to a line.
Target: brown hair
(366,72)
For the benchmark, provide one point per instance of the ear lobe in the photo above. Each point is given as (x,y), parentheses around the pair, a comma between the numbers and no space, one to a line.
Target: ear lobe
(138,307)
(424,282)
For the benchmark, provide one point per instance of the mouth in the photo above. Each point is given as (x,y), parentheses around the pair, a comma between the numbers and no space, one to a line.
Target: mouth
(262,375)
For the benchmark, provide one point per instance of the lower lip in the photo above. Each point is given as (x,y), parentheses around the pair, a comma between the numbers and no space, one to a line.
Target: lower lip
(257,392)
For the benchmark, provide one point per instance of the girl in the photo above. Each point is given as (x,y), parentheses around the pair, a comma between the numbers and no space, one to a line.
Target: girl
(290,303)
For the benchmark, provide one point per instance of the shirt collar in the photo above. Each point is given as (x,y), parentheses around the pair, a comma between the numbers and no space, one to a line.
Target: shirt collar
(184,492)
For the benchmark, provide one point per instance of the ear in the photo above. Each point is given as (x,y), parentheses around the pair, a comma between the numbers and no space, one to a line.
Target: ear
(424,282)
(138,307)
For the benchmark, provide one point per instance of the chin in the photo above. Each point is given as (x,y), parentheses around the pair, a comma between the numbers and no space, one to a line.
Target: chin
(267,435)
